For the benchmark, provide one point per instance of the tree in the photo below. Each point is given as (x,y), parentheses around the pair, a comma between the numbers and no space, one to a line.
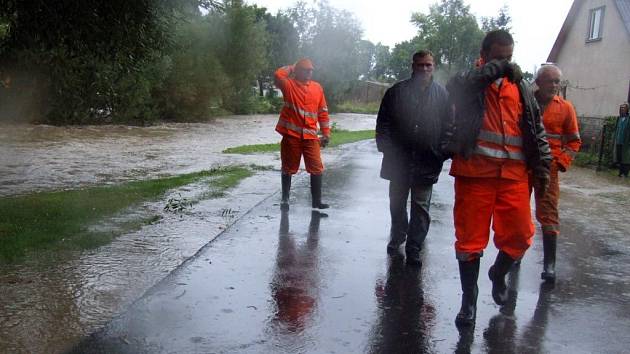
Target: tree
(501,21)
(331,38)
(382,57)
(451,32)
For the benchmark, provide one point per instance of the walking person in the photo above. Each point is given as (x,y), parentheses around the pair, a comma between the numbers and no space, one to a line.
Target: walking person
(498,139)
(411,128)
(563,134)
(621,154)
(304,109)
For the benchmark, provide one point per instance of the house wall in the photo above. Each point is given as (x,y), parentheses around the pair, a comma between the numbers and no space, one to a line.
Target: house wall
(598,72)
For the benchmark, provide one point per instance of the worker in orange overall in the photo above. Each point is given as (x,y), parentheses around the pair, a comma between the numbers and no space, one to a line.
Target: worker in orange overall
(563,135)
(498,140)
(304,109)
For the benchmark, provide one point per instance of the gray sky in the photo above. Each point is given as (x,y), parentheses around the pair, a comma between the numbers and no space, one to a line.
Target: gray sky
(535,23)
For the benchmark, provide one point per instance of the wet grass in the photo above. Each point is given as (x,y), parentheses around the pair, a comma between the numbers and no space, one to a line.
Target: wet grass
(61,219)
(338,137)
(358,107)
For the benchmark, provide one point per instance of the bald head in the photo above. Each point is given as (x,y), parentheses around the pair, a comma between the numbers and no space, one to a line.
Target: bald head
(547,68)
(548,82)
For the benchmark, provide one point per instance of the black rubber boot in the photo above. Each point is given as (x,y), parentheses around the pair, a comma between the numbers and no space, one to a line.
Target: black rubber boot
(468,274)
(549,258)
(316,192)
(497,275)
(286,188)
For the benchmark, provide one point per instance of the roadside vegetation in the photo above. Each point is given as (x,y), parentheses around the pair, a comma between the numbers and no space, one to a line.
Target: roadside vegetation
(338,137)
(358,107)
(61,220)
(589,155)
(140,62)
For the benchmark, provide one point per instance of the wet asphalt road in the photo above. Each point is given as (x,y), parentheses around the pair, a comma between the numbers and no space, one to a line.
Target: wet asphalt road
(302,282)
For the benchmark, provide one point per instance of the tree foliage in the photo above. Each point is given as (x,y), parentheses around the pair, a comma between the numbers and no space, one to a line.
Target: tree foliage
(93,61)
(501,21)
(451,32)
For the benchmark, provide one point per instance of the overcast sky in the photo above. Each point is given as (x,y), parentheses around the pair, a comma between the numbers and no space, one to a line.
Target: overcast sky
(535,23)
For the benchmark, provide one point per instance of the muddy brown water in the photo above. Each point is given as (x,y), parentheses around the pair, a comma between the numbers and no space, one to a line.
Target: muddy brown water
(49,301)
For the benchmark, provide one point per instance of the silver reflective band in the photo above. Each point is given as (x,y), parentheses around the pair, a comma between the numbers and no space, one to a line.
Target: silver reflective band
(495,138)
(300,111)
(325,109)
(565,137)
(499,154)
(295,128)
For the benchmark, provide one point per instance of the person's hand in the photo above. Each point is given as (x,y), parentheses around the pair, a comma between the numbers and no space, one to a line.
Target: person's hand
(323,141)
(513,72)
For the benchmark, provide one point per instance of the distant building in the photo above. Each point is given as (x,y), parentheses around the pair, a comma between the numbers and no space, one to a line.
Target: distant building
(593,51)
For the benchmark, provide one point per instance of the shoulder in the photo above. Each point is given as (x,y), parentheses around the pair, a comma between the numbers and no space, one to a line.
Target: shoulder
(566,105)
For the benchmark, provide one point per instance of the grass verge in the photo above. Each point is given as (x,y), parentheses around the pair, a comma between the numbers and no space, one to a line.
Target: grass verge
(357,107)
(60,219)
(338,137)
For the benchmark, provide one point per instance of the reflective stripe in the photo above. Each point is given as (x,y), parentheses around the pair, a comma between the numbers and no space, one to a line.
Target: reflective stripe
(565,137)
(550,228)
(300,111)
(468,256)
(324,124)
(295,128)
(495,138)
(324,109)
(499,154)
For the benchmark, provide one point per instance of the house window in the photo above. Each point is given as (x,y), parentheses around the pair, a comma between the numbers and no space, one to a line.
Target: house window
(595,24)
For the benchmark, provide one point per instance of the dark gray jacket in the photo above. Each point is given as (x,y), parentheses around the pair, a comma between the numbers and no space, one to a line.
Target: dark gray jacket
(467,95)
(412,132)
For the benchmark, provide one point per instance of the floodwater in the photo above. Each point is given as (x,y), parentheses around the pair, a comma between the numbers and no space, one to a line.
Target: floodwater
(49,301)
(34,158)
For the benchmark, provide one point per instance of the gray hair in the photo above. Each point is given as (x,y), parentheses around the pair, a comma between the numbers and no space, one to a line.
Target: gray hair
(546,67)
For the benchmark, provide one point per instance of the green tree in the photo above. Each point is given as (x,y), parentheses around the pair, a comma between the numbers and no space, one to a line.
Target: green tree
(451,32)
(501,21)
(332,39)
(382,57)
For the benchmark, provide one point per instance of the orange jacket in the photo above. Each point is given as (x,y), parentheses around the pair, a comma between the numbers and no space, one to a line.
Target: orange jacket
(563,132)
(304,106)
(499,149)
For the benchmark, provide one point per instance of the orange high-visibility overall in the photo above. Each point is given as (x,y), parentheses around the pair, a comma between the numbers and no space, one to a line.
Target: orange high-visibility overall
(304,108)
(491,186)
(563,135)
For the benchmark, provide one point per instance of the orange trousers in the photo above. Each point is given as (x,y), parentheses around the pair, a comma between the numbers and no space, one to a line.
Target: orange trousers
(291,151)
(500,202)
(547,205)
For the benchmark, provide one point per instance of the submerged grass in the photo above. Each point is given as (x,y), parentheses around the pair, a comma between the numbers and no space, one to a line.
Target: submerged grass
(338,137)
(60,219)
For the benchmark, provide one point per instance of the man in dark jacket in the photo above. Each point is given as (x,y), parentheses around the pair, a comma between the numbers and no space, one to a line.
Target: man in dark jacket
(411,130)
(499,139)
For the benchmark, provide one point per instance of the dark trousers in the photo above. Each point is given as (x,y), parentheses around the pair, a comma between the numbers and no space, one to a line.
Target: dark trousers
(414,229)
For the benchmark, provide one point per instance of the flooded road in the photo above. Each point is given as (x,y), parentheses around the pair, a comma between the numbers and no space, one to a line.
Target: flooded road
(50,301)
(34,158)
(302,282)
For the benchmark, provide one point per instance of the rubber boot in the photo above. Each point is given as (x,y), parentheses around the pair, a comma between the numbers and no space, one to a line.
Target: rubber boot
(286,188)
(468,274)
(549,258)
(497,275)
(316,192)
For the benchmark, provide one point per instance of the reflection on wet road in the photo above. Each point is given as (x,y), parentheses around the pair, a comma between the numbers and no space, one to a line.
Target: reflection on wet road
(268,285)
